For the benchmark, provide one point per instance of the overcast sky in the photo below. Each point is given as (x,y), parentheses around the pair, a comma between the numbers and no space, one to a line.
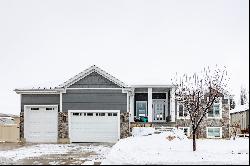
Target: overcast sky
(48,42)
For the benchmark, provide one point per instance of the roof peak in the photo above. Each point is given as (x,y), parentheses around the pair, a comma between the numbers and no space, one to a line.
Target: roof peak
(88,71)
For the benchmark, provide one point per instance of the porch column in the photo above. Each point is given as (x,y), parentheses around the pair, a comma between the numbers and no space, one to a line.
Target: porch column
(150,112)
(166,105)
(60,102)
(131,107)
(172,104)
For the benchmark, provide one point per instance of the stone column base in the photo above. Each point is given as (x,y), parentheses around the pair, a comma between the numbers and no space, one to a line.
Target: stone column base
(63,141)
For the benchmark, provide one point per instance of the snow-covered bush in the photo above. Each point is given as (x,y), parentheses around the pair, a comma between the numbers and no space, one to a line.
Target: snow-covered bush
(142,131)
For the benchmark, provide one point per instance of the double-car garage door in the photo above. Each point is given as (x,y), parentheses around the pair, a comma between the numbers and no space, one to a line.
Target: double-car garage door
(41,125)
(94,126)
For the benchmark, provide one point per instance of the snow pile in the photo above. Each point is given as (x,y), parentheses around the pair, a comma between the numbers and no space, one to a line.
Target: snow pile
(240,108)
(142,131)
(178,134)
(159,149)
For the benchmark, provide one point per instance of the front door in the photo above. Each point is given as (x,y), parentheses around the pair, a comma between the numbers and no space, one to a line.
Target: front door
(159,111)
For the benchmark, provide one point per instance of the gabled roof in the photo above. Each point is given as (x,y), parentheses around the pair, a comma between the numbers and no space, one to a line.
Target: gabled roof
(88,71)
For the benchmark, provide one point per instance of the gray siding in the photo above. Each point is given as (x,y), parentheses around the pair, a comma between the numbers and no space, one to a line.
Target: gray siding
(94,99)
(94,80)
(40,99)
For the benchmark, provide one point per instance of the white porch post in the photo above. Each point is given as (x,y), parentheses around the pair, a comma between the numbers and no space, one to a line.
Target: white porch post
(131,107)
(166,105)
(60,101)
(172,104)
(150,112)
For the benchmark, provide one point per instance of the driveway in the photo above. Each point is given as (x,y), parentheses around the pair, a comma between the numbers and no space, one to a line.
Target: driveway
(53,154)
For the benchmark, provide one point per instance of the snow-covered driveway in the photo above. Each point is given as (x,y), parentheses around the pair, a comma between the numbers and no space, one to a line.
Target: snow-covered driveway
(53,154)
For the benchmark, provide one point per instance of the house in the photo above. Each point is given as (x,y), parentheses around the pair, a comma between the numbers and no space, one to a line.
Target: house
(94,106)
(9,128)
(240,119)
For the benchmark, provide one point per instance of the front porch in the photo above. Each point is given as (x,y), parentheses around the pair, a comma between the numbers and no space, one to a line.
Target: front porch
(152,104)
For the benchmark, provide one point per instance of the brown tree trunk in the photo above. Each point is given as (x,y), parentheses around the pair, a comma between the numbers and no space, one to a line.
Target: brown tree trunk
(194,141)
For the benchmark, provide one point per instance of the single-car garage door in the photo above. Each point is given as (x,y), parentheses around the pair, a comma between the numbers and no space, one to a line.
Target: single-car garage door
(94,126)
(40,123)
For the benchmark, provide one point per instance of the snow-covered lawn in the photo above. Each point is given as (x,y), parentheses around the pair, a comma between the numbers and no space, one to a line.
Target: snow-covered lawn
(55,154)
(157,149)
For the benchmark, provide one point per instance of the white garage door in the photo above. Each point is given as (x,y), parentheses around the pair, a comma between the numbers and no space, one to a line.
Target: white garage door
(94,126)
(40,123)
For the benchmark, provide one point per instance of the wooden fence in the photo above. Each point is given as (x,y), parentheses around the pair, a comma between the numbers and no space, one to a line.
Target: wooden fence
(9,133)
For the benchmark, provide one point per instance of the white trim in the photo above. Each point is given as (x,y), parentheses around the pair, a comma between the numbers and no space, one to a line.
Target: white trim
(172,104)
(166,106)
(132,109)
(213,128)
(178,108)
(127,102)
(218,117)
(152,86)
(150,105)
(95,89)
(37,92)
(21,103)
(88,71)
(25,106)
(95,111)
(60,102)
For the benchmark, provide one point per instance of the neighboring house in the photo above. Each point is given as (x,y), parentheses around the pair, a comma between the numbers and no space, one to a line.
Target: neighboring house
(240,119)
(94,106)
(9,128)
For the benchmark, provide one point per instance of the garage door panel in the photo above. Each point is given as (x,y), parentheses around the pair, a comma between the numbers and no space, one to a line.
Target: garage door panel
(94,128)
(40,125)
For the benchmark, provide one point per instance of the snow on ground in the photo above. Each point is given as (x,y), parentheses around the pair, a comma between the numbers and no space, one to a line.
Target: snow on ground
(95,153)
(157,149)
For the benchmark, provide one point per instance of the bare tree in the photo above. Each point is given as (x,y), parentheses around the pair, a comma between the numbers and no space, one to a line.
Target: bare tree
(243,95)
(198,92)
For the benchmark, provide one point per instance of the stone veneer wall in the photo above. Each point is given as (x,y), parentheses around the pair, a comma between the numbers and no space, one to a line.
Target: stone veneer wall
(124,125)
(63,129)
(21,126)
(224,122)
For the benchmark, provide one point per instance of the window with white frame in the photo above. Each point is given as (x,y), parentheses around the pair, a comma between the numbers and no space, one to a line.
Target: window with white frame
(182,112)
(186,130)
(141,108)
(216,110)
(214,132)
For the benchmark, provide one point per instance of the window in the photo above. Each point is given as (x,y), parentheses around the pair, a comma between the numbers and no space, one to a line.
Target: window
(141,108)
(182,113)
(216,110)
(214,132)
(89,114)
(50,108)
(109,114)
(114,114)
(101,114)
(77,114)
(186,130)
(34,108)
